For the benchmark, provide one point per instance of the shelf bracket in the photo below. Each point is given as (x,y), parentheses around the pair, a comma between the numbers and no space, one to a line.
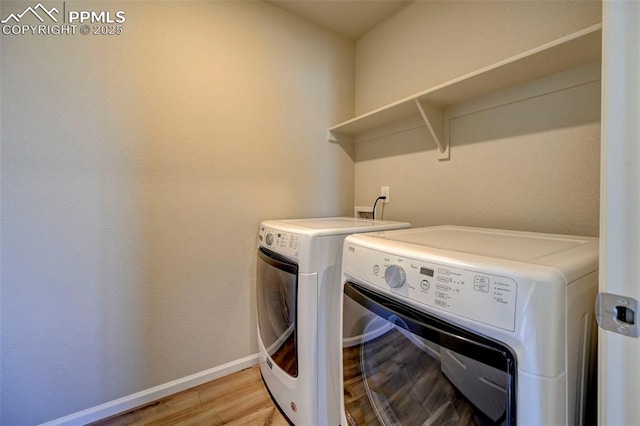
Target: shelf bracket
(337,137)
(434,119)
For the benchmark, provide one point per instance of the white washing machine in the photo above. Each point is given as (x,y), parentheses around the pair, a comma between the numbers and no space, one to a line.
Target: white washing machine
(459,325)
(298,298)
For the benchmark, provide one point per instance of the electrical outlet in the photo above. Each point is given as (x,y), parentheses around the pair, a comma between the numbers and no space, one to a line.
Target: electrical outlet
(384,192)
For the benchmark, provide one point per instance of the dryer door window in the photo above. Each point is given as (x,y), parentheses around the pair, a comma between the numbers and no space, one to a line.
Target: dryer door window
(405,367)
(277,285)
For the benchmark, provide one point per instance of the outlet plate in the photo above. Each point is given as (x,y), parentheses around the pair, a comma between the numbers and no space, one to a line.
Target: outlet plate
(384,192)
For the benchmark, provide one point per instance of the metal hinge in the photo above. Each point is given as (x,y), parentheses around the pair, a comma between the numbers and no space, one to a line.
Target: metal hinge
(618,314)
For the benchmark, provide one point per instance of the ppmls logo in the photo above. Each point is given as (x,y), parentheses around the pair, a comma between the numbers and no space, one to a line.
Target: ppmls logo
(33,11)
(42,20)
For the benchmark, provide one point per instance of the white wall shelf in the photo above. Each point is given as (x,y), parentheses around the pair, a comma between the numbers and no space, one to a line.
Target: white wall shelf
(580,48)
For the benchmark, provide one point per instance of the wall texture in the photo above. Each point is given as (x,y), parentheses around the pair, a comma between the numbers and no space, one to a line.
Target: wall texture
(135,171)
(530,164)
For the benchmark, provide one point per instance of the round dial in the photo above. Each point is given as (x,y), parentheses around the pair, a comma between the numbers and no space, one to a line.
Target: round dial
(269,239)
(395,276)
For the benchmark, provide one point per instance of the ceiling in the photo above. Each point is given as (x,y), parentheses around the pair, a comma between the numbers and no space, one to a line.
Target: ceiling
(351,18)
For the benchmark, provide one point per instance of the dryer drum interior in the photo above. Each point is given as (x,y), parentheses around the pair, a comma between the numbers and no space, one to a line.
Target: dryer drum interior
(405,367)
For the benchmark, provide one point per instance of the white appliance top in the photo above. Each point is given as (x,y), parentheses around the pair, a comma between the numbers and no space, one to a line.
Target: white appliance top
(294,238)
(332,225)
(572,256)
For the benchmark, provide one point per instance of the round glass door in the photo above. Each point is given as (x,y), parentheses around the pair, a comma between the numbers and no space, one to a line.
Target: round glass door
(404,367)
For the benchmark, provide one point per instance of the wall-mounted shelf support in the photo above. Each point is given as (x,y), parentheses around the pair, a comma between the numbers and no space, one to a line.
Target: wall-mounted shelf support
(338,137)
(434,119)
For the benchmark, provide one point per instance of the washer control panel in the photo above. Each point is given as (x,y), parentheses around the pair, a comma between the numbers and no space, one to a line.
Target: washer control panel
(478,295)
(286,243)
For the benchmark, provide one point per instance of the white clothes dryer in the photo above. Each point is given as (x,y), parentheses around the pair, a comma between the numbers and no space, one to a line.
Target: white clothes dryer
(459,325)
(298,303)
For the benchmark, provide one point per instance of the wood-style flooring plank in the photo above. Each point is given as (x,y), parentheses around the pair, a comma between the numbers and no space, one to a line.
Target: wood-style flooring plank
(267,416)
(237,399)
(186,400)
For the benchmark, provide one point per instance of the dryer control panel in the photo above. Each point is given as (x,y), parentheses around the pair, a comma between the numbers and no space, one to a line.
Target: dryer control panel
(286,243)
(477,295)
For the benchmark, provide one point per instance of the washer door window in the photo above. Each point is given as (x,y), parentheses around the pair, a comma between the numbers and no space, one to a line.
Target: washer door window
(404,367)
(277,284)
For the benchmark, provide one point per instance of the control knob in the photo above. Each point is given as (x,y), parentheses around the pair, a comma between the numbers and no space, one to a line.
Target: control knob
(269,239)
(395,276)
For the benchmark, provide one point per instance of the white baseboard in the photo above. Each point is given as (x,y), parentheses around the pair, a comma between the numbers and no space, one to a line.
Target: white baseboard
(129,402)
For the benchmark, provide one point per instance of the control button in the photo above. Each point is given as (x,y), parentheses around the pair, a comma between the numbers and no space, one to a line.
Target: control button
(481,288)
(444,279)
(441,303)
(479,279)
(395,276)
(425,285)
(443,271)
(481,284)
(293,242)
(442,287)
(441,295)
(376,269)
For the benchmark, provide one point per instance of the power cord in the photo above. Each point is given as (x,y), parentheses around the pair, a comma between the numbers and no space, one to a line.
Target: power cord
(373,213)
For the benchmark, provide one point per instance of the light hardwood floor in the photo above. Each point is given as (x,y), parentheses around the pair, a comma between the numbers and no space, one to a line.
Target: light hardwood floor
(237,399)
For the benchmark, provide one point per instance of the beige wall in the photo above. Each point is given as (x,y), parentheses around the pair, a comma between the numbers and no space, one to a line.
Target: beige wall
(433,41)
(532,164)
(135,171)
